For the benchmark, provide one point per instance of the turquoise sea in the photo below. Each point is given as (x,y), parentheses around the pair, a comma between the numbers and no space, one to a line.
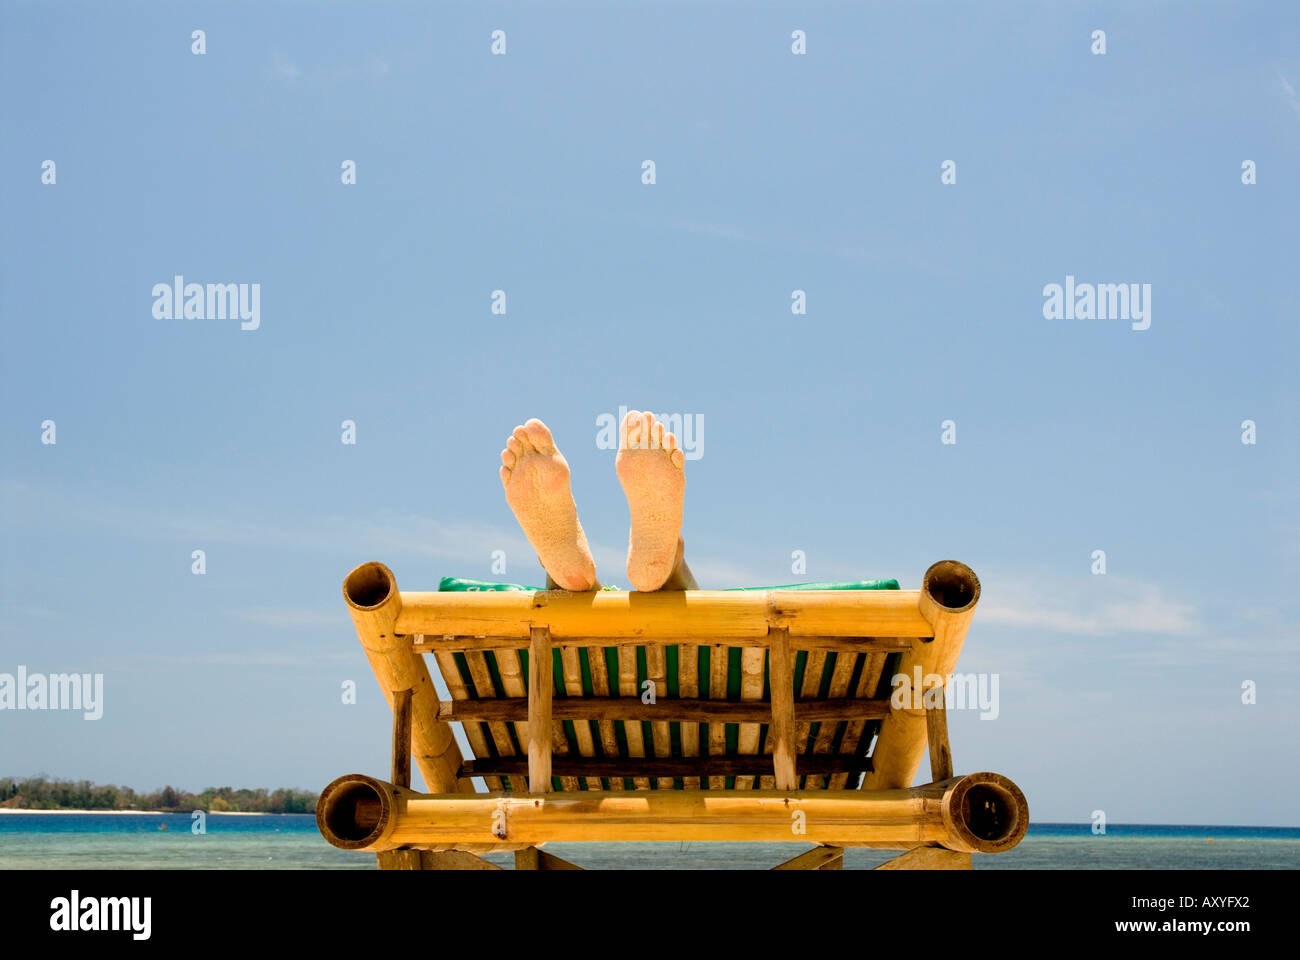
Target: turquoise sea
(289,842)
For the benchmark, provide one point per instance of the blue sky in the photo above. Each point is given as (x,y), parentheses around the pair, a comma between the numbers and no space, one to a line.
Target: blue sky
(775,172)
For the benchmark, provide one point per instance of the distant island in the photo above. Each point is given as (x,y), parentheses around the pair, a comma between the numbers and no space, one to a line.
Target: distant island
(38,793)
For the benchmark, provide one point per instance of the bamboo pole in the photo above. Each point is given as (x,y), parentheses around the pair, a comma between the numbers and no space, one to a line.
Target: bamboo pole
(781,732)
(375,604)
(949,593)
(982,812)
(667,615)
(540,682)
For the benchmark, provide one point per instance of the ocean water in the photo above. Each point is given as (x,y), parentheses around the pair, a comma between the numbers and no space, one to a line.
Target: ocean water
(289,842)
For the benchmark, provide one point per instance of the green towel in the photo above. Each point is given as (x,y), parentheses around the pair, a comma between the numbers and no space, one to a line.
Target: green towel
(465,585)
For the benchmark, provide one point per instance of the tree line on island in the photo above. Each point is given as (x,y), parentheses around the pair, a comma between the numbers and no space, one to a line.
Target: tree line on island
(38,793)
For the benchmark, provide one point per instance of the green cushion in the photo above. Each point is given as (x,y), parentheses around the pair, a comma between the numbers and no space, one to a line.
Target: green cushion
(463,584)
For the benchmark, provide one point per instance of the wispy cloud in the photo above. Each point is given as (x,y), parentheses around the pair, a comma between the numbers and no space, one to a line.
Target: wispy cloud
(1106,606)
(288,71)
(703,228)
(287,617)
(284,68)
(1289,93)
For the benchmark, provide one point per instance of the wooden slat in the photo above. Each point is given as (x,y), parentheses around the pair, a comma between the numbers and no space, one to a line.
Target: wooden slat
(841,675)
(428,643)
(631,708)
(657,673)
(403,858)
(928,858)
(868,681)
(936,720)
(559,740)
(497,729)
(510,667)
(540,684)
(718,657)
(669,615)
(810,690)
(627,687)
(751,688)
(781,733)
(401,738)
(815,859)
(600,688)
(573,688)
(531,858)
(454,860)
(734,766)
(473,731)
(688,688)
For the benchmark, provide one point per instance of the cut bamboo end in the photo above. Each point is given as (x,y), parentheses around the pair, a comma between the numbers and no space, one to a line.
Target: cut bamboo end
(985,813)
(355,812)
(948,589)
(370,587)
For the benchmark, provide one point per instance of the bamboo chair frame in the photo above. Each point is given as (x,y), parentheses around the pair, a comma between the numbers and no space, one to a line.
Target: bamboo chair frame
(829,760)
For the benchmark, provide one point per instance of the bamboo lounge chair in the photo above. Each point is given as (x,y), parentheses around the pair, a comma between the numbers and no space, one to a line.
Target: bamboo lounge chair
(703,715)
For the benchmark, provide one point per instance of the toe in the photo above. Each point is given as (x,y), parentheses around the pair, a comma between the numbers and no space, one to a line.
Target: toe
(514,446)
(508,458)
(670,441)
(505,474)
(679,460)
(539,436)
(657,436)
(627,430)
(646,427)
(521,435)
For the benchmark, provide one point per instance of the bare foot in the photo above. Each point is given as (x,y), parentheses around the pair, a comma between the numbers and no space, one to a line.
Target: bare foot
(536,478)
(650,467)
